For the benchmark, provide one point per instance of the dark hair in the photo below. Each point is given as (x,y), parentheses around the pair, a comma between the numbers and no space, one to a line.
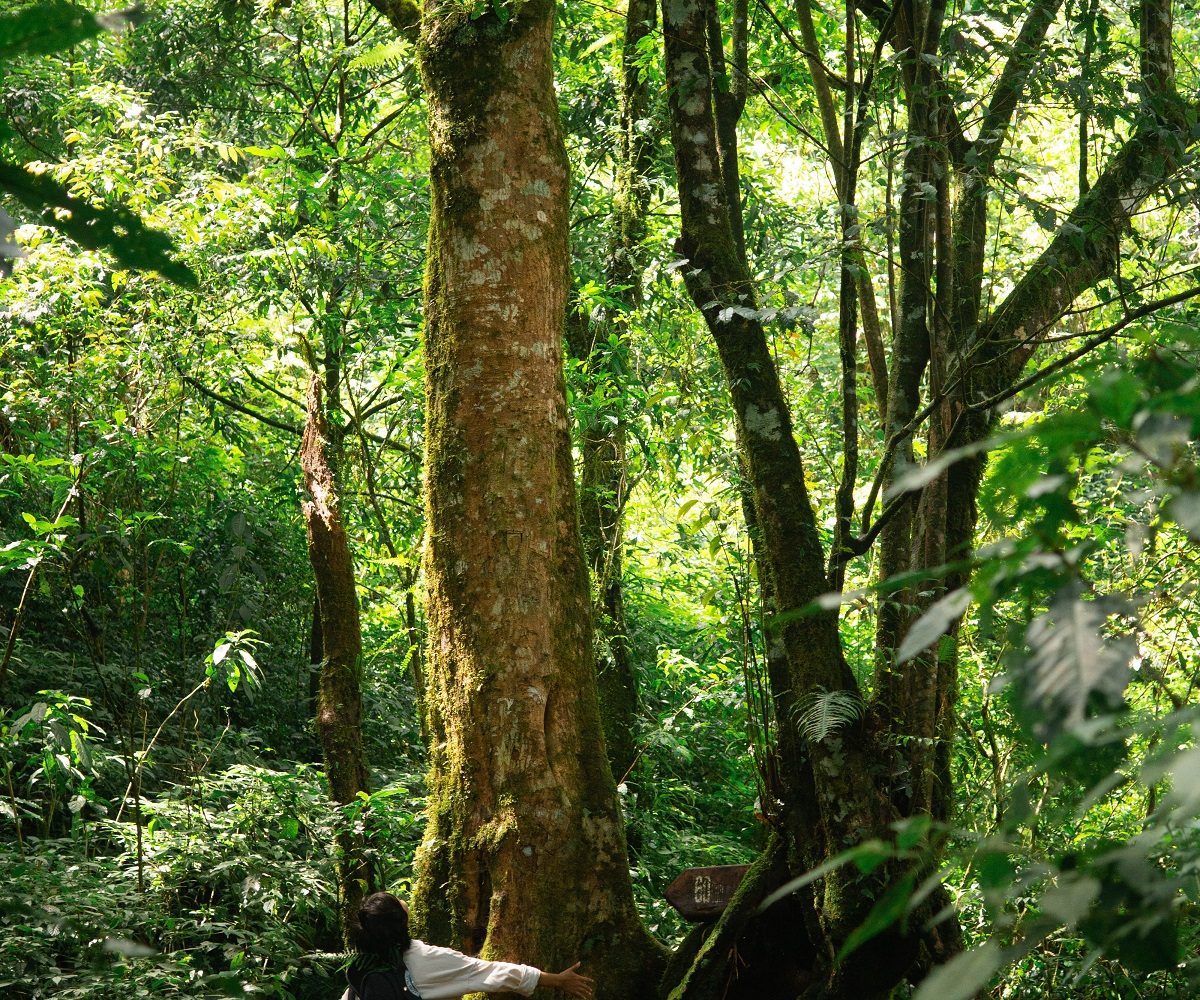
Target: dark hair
(381,925)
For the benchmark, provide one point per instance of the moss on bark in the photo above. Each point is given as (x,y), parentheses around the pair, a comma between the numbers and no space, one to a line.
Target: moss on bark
(525,857)
(339,698)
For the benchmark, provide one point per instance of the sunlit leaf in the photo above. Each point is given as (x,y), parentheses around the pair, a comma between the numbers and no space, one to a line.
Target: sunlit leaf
(963,976)
(918,476)
(934,623)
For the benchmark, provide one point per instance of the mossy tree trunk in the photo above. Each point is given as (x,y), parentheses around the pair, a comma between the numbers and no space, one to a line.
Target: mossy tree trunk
(524,856)
(336,622)
(949,368)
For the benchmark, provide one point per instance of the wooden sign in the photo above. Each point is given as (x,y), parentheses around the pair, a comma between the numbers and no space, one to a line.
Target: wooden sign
(702,893)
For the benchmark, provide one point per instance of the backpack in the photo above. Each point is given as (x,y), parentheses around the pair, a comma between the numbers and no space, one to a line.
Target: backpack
(392,983)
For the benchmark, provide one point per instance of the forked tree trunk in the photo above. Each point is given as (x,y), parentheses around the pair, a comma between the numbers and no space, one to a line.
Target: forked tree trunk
(831,786)
(838,790)
(524,856)
(339,699)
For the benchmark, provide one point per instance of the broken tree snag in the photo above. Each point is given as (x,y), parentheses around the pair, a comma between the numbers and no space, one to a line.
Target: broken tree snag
(339,699)
(703,893)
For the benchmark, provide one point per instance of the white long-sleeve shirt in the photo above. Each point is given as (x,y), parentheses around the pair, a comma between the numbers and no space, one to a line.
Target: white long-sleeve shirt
(442,973)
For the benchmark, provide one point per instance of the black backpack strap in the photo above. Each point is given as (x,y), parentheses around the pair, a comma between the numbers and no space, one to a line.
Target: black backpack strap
(386,984)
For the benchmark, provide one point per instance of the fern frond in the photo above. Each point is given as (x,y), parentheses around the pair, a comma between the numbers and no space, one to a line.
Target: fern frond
(823,713)
(394,51)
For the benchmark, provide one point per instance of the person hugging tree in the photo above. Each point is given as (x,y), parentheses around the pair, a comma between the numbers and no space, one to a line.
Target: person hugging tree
(389,965)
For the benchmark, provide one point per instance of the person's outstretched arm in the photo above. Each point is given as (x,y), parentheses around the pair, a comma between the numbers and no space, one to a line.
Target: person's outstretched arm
(569,981)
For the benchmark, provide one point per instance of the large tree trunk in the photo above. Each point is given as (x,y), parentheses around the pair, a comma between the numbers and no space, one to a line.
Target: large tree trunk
(525,855)
(336,623)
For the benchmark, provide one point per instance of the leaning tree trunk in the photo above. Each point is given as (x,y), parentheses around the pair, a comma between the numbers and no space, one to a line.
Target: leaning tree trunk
(339,700)
(524,856)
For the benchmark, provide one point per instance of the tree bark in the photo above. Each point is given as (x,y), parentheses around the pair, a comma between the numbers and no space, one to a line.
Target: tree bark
(1157,58)
(339,699)
(524,856)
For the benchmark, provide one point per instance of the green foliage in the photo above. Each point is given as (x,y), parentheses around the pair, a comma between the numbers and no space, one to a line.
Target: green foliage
(96,227)
(1094,853)
(163,553)
(237,898)
(48,762)
(1087,865)
(242,644)
(157,746)
(44,28)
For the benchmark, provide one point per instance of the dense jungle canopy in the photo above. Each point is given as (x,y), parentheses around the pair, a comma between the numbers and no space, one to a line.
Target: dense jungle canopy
(510,452)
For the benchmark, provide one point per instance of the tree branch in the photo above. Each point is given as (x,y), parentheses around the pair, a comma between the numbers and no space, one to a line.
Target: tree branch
(1013,82)
(1087,244)
(1157,61)
(403,15)
(1087,347)
(894,22)
(233,404)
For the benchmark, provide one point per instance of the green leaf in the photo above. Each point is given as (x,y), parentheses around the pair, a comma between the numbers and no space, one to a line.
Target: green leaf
(114,229)
(920,475)
(996,869)
(932,625)
(379,55)
(1045,216)
(888,909)
(1073,661)
(963,976)
(910,832)
(603,42)
(1116,396)
(870,852)
(1070,900)
(35,715)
